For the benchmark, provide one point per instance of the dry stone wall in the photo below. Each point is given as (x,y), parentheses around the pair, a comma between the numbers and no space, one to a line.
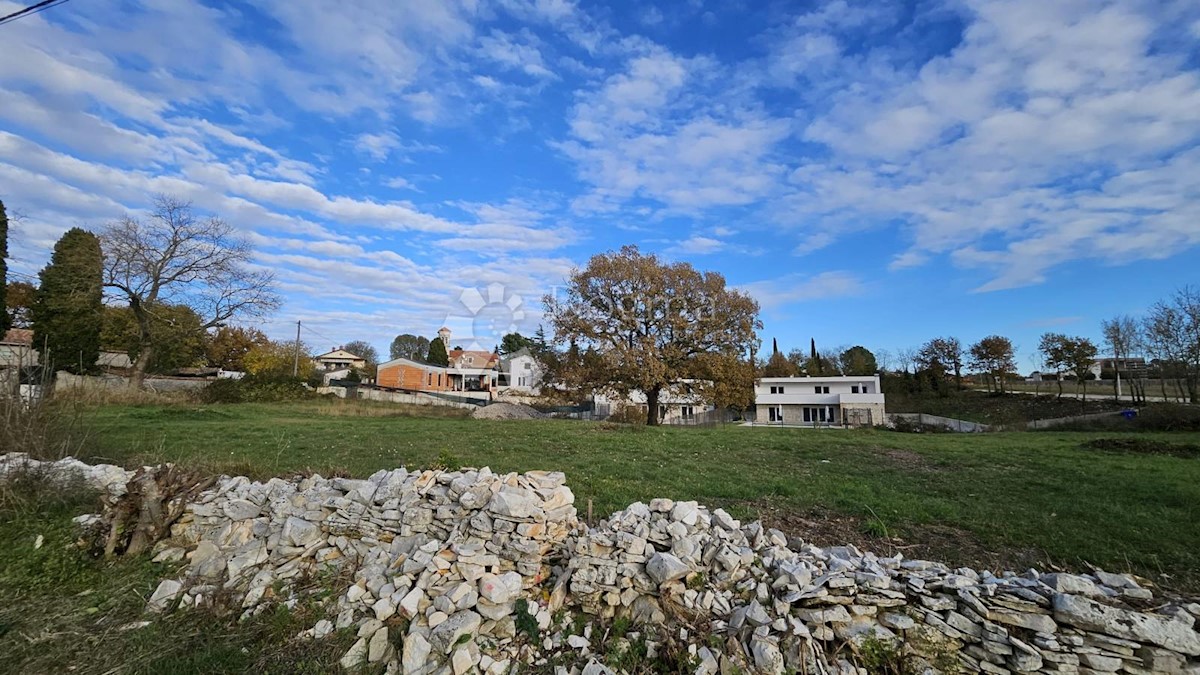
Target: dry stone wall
(473,571)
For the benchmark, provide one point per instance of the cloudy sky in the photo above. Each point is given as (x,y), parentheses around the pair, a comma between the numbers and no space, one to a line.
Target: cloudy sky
(872,172)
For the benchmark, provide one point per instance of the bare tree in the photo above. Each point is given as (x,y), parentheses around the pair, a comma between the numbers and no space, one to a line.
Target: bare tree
(1172,331)
(885,359)
(1124,338)
(175,258)
(906,358)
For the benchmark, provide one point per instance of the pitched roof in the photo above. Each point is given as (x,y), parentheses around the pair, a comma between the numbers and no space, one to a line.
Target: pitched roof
(339,353)
(18,336)
(479,358)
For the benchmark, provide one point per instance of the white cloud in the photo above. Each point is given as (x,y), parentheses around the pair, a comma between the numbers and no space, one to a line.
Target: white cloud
(1033,143)
(400,183)
(646,133)
(515,53)
(698,245)
(799,288)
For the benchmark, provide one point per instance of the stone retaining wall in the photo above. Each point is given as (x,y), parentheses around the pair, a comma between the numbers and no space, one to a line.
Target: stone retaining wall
(471,571)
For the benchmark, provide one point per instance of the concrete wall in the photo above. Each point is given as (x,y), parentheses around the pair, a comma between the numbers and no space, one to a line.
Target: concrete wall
(396,397)
(937,420)
(65,380)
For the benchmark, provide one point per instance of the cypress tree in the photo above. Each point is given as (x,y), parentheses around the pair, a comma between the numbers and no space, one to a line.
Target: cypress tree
(437,353)
(5,323)
(68,312)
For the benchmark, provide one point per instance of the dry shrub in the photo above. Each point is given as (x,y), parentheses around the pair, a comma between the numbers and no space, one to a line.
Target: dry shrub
(628,414)
(97,396)
(43,428)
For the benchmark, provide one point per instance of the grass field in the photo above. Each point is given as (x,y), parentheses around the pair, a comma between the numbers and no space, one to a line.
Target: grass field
(993,500)
(1008,409)
(1015,499)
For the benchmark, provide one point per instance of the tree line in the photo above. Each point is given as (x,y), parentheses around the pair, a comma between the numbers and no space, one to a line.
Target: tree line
(626,322)
(173,281)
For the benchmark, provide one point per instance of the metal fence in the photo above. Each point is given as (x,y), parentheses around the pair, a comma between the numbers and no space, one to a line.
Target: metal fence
(950,423)
(708,418)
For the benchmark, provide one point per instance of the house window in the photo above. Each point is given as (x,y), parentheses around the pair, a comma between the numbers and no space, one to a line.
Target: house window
(439,379)
(777,390)
(854,389)
(686,411)
(528,366)
(820,390)
(775,413)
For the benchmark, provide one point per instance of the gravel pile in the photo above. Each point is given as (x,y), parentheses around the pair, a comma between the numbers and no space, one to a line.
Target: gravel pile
(507,411)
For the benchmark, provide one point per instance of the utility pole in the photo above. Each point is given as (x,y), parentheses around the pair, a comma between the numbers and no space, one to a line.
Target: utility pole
(296,356)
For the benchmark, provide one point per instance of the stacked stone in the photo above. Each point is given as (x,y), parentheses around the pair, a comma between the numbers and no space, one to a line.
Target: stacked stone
(449,552)
(107,479)
(788,605)
(449,557)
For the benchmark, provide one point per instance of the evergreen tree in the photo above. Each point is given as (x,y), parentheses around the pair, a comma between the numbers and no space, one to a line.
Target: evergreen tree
(68,312)
(437,353)
(5,324)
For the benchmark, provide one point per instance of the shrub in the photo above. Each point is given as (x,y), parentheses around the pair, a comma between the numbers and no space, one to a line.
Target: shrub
(1153,417)
(223,391)
(255,389)
(628,414)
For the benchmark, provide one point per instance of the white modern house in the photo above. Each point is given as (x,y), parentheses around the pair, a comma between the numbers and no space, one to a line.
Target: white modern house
(521,373)
(844,400)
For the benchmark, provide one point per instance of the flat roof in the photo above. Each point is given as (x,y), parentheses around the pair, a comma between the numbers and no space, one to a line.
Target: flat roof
(819,378)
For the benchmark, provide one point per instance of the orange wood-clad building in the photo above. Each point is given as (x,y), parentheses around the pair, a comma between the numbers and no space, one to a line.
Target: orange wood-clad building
(413,375)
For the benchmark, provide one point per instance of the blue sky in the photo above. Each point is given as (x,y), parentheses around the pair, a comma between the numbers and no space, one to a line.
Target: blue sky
(873,173)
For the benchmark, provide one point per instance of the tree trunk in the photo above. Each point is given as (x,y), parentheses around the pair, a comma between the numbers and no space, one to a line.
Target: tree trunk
(652,407)
(138,375)
(1060,391)
(145,345)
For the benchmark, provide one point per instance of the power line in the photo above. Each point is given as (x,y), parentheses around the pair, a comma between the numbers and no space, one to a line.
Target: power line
(30,10)
(325,337)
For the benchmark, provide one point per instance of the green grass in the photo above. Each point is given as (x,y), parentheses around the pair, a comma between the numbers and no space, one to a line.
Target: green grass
(987,499)
(1006,498)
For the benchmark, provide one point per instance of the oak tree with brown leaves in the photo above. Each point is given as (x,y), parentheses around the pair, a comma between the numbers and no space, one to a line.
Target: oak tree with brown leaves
(641,324)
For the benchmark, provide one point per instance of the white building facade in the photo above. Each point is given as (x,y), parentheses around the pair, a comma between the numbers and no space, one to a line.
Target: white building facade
(819,401)
(678,404)
(522,373)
